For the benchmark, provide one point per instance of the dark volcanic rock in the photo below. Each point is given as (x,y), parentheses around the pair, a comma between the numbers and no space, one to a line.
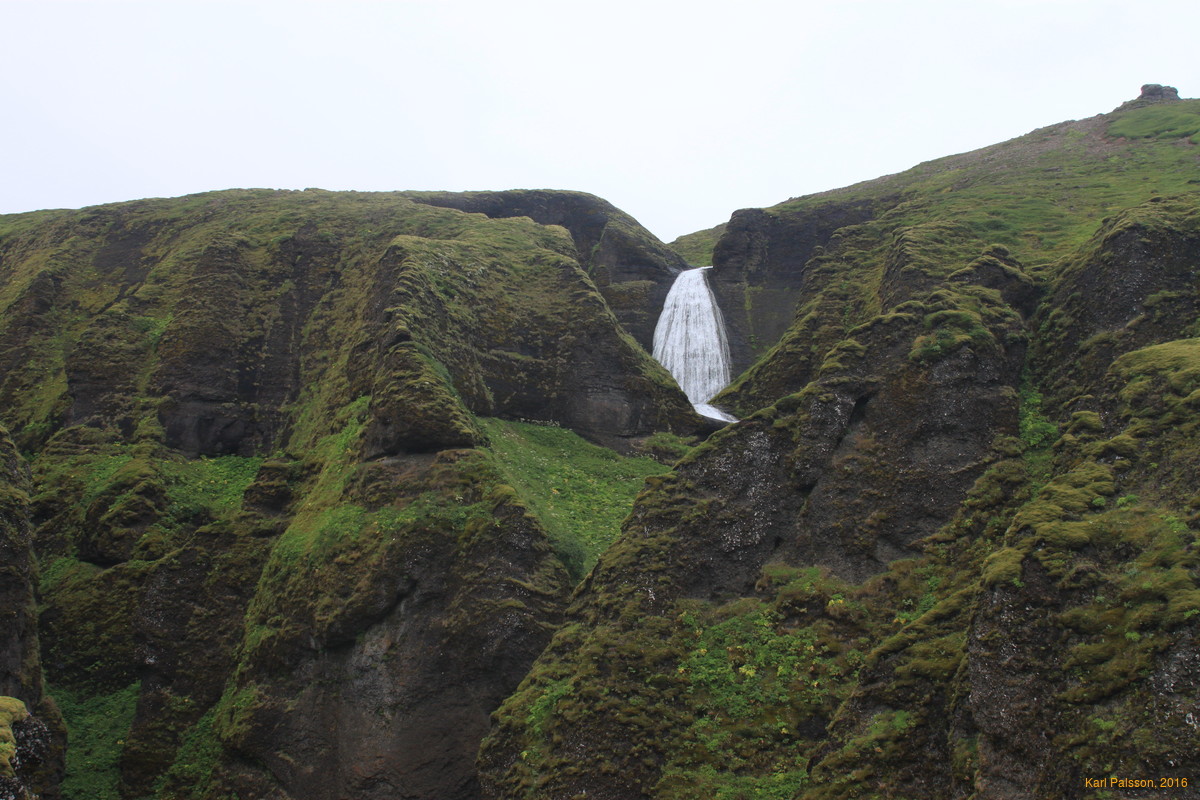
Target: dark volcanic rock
(1155,91)
(758,269)
(385,692)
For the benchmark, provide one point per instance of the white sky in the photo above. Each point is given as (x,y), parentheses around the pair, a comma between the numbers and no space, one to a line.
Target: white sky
(677,112)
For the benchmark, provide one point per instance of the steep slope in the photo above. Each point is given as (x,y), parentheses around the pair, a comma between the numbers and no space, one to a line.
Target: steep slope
(951,550)
(834,260)
(278,557)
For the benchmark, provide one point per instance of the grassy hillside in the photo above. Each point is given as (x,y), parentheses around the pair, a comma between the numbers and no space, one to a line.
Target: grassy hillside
(1040,197)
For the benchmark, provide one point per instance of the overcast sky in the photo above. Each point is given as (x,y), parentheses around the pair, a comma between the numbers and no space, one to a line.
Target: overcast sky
(677,112)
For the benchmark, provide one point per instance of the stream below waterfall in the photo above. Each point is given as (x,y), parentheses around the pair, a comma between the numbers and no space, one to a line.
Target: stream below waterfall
(690,342)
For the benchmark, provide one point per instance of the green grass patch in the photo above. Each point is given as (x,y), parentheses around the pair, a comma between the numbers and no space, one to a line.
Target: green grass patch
(580,492)
(97,472)
(1165,121)
(194,761)
(214,485)
(1038,435)
(97,727)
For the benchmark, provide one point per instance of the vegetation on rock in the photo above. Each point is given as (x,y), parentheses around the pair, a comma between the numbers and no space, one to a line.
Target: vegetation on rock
(317,494)
(250,419)
(966,557)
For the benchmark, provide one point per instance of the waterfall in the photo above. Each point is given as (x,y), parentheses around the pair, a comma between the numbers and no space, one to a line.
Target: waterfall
(689,341)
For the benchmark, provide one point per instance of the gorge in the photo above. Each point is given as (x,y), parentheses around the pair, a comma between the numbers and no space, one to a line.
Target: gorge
(315,495)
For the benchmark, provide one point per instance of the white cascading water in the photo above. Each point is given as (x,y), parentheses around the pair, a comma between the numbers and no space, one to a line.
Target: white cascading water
(689,341)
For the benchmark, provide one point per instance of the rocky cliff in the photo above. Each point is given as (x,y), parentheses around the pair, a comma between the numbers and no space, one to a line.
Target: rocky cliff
(298,498)
(951,550)
(270,526)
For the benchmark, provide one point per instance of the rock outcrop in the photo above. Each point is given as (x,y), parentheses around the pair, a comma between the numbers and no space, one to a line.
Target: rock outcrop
(759,265)
(1158,92)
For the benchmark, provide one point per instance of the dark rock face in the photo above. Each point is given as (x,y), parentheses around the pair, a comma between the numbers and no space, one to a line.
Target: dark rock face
(1134,285)
(1155,91)
(758,269)
(917,434)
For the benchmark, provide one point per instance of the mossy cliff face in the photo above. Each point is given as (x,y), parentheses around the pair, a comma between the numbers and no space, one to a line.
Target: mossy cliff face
(632,269)
(759,274)
(20,667)
(387,634)
(1133,285)
(799,274)
(210,315)
(951,549)
(31,731)
(276,556)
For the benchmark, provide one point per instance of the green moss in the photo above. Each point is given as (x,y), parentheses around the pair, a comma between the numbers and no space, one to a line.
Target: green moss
(753,681)
(666,448)
(961,318)
(87,629)
(541,708)
(1085,422)
(1179,360)
(12,711)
